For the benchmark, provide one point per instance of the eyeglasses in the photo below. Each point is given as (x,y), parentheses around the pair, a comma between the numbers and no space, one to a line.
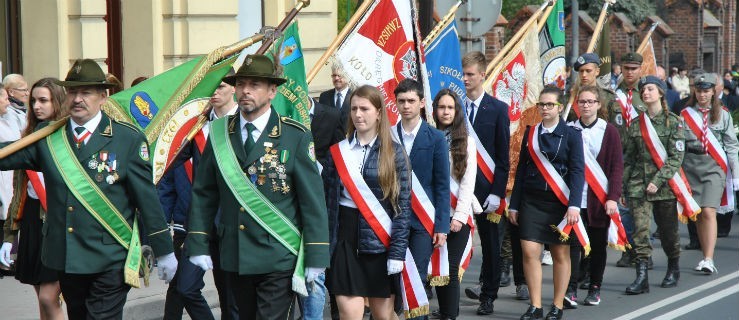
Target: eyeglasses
(20,89)
(548,105)
(587,102)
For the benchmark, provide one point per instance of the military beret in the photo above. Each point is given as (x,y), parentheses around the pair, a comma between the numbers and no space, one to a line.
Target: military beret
(632,58)
(704,81)
(585,59)
(652,80)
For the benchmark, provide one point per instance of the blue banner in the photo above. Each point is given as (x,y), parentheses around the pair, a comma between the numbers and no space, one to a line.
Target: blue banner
(444,62)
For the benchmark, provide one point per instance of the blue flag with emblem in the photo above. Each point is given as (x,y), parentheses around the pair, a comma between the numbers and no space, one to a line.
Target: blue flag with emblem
(444,62)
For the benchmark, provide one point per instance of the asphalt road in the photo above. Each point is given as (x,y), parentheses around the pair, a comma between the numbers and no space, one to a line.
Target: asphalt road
(697,296)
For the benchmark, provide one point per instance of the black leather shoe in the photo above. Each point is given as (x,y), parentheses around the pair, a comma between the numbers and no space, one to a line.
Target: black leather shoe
(722,234)
(485,308)
(436,314)
(692,246)
(473,292)
(533,313)
(555,313)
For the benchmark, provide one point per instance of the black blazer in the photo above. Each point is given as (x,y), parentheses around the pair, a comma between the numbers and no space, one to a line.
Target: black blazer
(326,130)
(730,102)
(492,126)
(328,98)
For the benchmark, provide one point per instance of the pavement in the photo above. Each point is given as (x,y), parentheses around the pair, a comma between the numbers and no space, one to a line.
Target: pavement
(697,296)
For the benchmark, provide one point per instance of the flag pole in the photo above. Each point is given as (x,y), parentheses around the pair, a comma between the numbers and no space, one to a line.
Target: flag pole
(517,36)
(448,18)
(339,39)
(544,17)
(591,47)
(645,41)
(49,129)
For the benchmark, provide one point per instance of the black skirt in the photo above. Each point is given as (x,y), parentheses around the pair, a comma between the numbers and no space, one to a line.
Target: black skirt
(28,266)
(353,273)
(540,210)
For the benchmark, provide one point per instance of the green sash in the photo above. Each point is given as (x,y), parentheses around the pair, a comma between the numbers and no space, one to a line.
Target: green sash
(256,204)
(97,204)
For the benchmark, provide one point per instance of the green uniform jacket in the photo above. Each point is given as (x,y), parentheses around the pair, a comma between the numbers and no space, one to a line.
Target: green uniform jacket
(245,246)
(74,241)
(614,110)
(639,168)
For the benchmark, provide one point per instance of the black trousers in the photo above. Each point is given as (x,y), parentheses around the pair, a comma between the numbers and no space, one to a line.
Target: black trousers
(229,310)
(516,253)
(490,240)
(598,255)
(264,296)
(185,289)
(449,294)
(94,296)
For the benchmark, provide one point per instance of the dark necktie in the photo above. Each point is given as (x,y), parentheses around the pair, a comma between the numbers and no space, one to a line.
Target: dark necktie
(338,100)
(472,112)
(249,143)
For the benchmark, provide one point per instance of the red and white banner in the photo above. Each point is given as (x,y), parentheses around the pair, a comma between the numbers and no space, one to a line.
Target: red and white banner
(564,230)
(37,181)
(554,180)
(628,113)
(383,49)
(415,301)
(687,208)
(487,166)
(694,120)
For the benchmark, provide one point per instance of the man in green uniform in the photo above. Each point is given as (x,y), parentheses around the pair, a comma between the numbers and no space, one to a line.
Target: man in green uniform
(629,86)
(259,170)
(588,68)
(97,174)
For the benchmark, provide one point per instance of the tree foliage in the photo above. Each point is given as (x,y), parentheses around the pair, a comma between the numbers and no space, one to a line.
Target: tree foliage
(635,10)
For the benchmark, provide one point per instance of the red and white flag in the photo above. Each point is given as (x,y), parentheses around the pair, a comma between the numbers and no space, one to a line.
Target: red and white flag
(383,49)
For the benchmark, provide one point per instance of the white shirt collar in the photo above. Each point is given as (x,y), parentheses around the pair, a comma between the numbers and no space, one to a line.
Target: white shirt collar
(477,101)
(548,130)
(214,116)
(91,124)
(357,145)
(343,93)
(413,132)
(260,123)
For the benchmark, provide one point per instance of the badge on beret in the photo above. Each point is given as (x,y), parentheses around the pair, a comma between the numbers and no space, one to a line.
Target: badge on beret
(680,145)
(619,119)
(144,152)
(581,60)
(312,152)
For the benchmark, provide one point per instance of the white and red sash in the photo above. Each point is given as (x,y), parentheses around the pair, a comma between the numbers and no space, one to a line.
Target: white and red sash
(423,208)
(487,166)
(694,120)
(415,301)
(38,186)
(598,183)
(559,187)
(627,108)
(440,257)
(686,206)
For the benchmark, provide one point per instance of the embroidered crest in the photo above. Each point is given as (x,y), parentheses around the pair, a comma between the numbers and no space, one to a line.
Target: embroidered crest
(77,68)
(312,152)
(680,145)
(619,119)
(144,152)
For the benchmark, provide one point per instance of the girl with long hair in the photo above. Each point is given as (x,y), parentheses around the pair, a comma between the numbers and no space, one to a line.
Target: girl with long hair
(362,266)
(551,159)
(449,118)
(28,208)
(648,193)
(601,141)
(708,154)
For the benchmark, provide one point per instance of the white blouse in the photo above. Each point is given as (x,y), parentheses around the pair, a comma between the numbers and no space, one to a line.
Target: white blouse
(466,202)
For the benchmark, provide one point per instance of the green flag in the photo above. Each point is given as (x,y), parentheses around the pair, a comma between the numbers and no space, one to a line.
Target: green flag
(292,98)
(552,48)
(604,52)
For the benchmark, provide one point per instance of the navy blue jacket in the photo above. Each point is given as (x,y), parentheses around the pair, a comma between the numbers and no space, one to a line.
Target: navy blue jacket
(175,188)
(563,148)
(368,242)
(492,126)
(430,162)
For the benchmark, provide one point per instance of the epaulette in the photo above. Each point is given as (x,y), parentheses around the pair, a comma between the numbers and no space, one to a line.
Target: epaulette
(127,125)
(294,123)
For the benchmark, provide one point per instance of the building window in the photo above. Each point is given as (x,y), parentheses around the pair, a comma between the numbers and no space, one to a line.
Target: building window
(10,40)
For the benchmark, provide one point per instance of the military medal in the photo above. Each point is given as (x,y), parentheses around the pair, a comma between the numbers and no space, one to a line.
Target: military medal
(285,187)
(99,177)
(93,163)
(275,187)
(252,170)
(110,179)
(284,155)
(272,175)
(260,179)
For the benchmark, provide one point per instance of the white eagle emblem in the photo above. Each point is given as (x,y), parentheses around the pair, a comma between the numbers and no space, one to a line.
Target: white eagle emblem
(510,88)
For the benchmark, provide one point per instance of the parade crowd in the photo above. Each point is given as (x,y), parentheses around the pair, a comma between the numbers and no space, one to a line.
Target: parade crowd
(359,213)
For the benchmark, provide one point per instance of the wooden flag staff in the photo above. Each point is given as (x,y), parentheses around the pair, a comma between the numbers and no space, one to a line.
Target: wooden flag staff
(448,18)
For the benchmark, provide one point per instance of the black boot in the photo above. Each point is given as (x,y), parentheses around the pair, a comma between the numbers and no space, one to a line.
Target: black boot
(641,283)
(673,273)
(650,264)
(627,259)
(505,273)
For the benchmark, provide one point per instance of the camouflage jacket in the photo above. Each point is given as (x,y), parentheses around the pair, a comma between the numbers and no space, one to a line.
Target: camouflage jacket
(640,169)
(614,110)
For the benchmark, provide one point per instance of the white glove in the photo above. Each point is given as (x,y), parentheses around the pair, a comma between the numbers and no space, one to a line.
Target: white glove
(167,267)
(203,261)
(312,273)
(5,254)
(492,202)
(735,182)
(394,266)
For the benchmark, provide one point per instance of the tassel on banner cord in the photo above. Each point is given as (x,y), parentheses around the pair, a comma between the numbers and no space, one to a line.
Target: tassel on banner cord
(438,281)
(562,236)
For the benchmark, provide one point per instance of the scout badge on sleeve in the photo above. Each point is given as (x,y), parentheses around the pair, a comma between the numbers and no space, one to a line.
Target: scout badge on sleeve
(312,152)
(144,151)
